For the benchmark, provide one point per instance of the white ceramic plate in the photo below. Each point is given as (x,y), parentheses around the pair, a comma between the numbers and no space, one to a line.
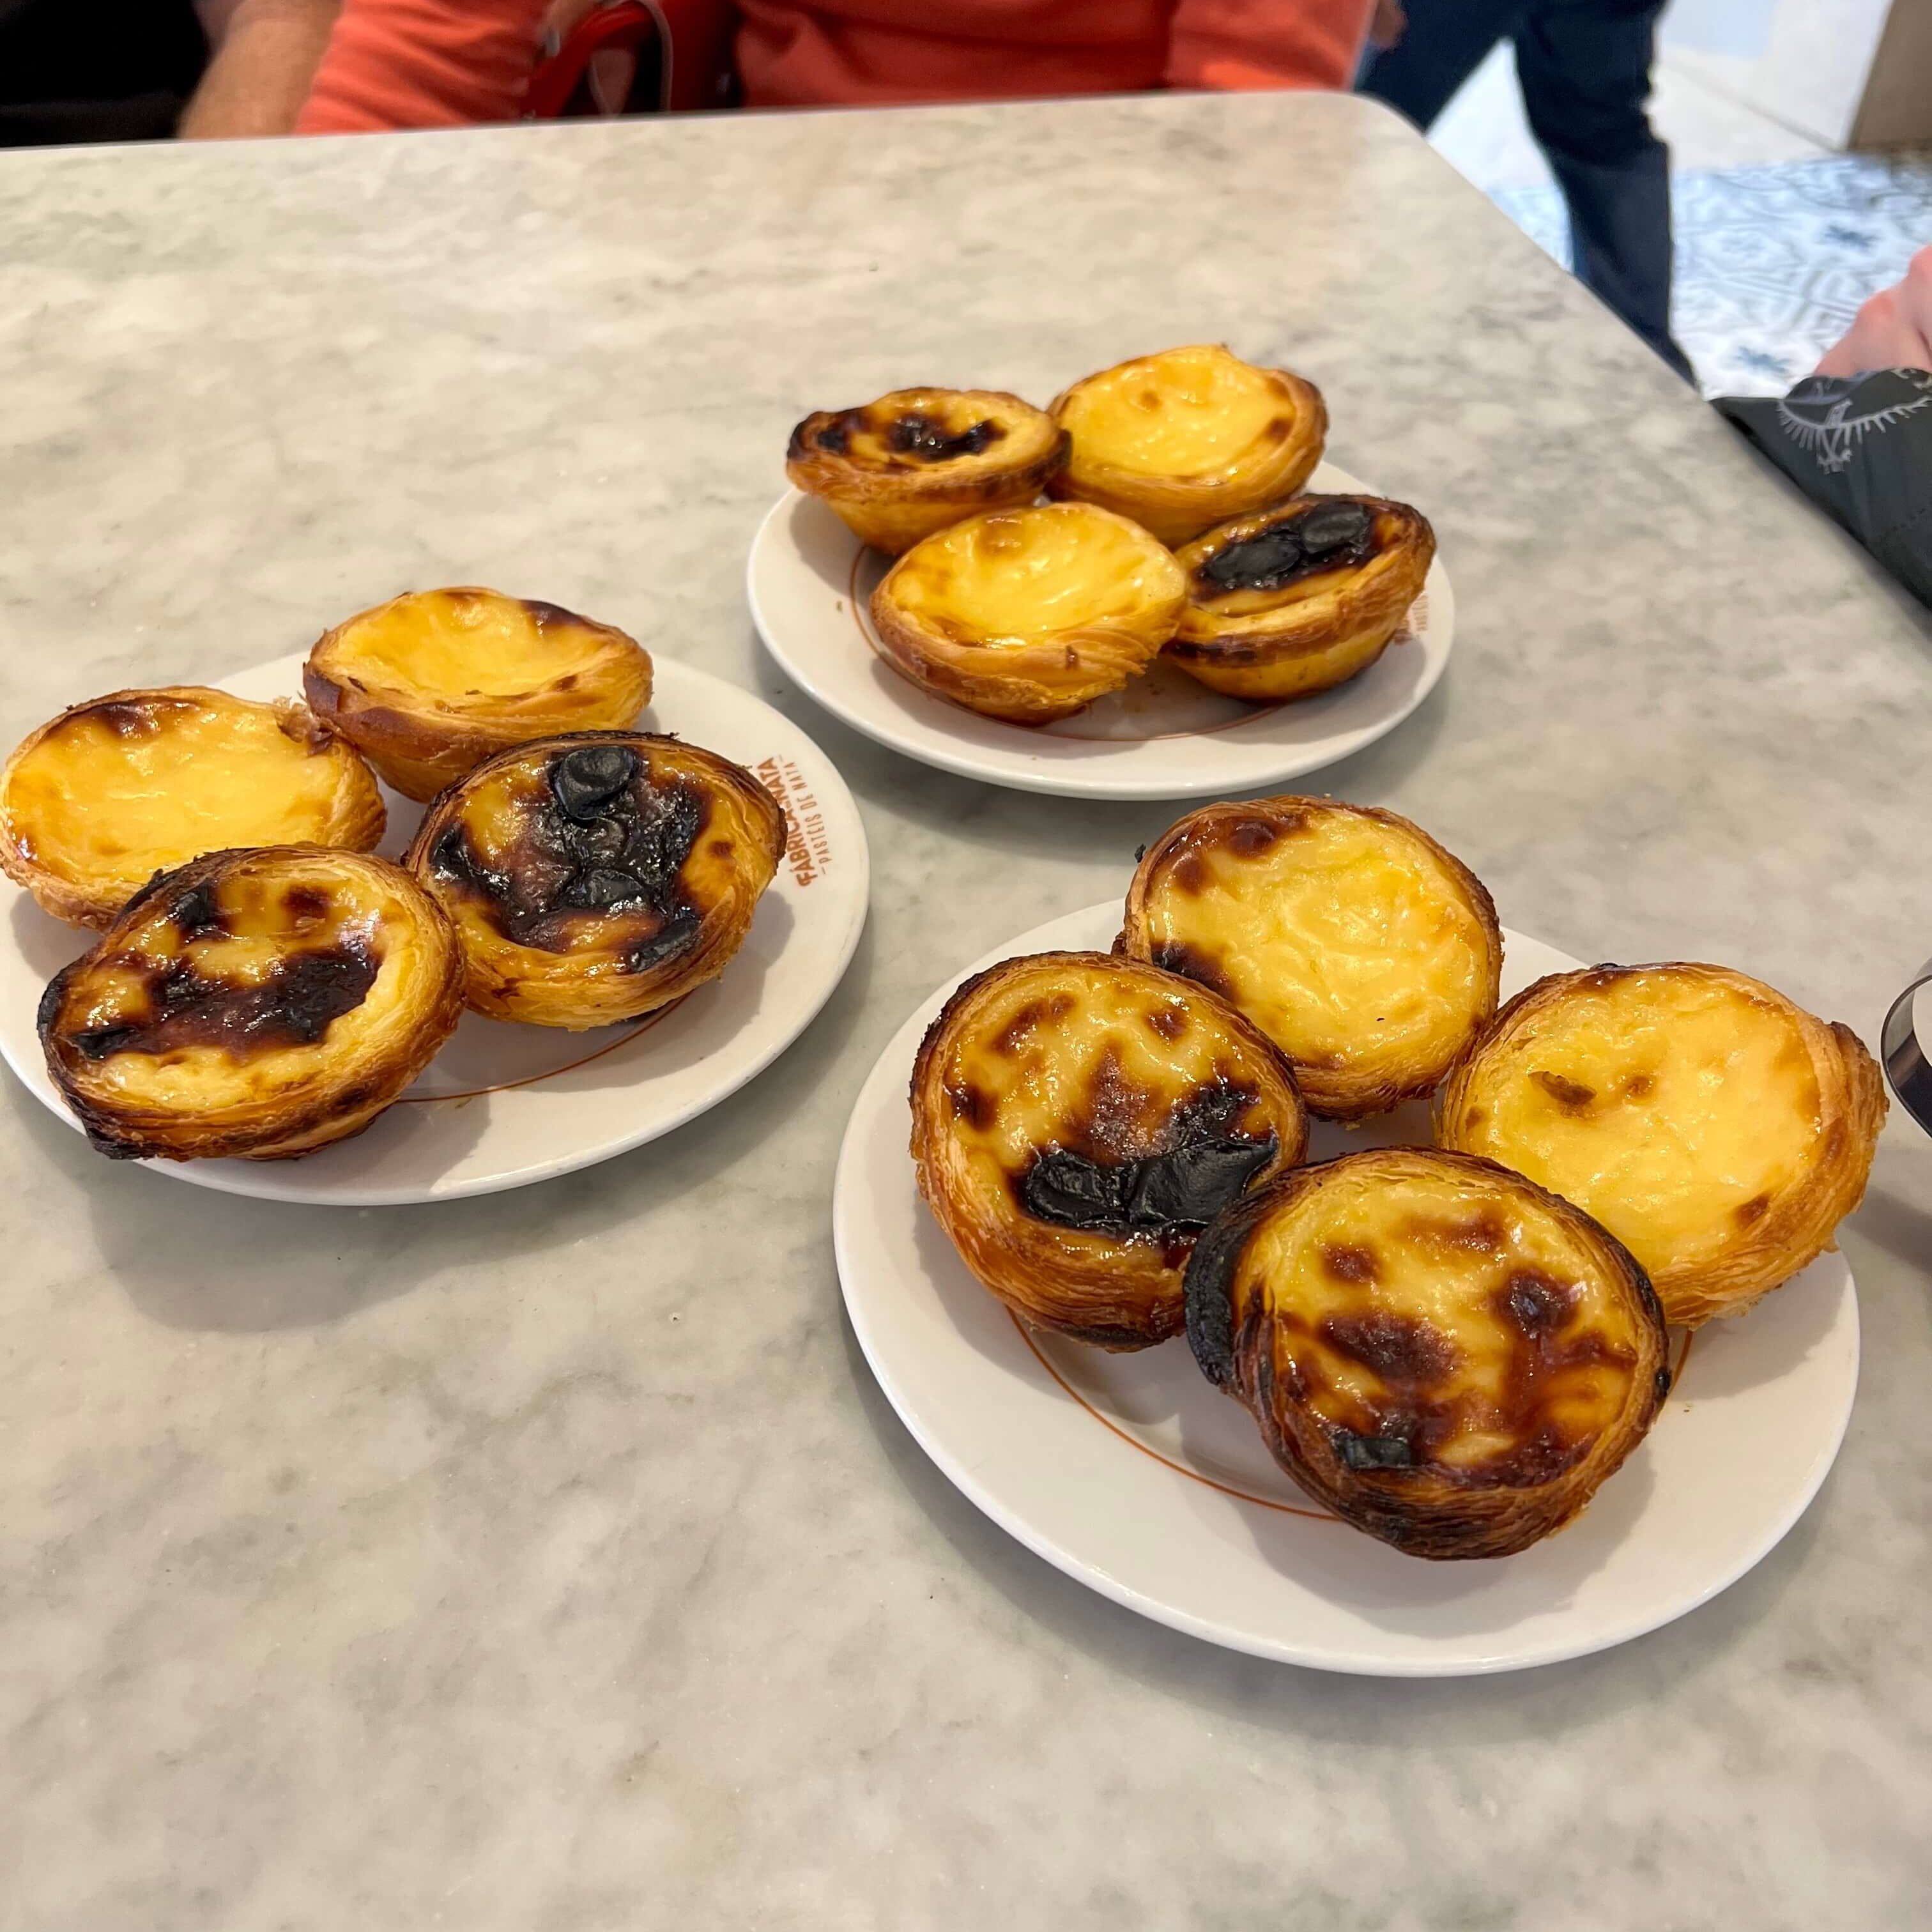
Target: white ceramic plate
(810,581)
(1132,1474)
(503,1105)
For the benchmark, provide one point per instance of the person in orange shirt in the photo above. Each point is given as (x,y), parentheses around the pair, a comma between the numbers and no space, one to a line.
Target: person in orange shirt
(429,63)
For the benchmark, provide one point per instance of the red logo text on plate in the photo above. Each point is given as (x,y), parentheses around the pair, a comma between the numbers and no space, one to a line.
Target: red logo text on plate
(807,850)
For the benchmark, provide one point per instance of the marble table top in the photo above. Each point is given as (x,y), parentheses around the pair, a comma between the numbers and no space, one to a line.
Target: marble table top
(551,1561)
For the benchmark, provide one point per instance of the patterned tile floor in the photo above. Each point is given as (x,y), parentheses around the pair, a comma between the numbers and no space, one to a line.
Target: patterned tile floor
(1772,261)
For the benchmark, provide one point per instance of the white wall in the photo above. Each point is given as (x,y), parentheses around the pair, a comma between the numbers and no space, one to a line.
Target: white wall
(1813,69)
(1805,63)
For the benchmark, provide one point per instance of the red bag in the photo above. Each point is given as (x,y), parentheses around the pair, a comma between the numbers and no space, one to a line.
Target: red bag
(634,57)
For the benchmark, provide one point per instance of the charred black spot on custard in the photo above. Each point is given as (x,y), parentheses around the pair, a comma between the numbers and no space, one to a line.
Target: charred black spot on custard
(1112,1118)
(129,721)
(544,616)
(924,438)
(973,1104)
(1176,955)
(195,915)
(911,436)
(1408,1425)
(1572,1096)
(1252,837)
(1018,1029)
(1540,1308)
(678,932)
(1536,1303)
(1190,875)
(1358,1452)
(1405,1351)
(1014,1037)
(1169,1022)
(294,1005)
(1348,1262)
(1482,1234)
(604,841)
(306,902)
(1324,533)
(831,433)
(1201,1165)
(1414,1418)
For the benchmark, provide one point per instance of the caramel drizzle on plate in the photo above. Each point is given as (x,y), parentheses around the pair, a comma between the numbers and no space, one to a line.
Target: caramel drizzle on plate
(634,1028)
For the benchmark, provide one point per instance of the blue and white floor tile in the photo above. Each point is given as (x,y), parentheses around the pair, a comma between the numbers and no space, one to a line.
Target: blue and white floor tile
(1772,261)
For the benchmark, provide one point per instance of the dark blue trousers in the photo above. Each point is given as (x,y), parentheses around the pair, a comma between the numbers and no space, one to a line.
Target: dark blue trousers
(1585,69)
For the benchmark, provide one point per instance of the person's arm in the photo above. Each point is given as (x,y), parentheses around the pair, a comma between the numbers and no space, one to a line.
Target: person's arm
(1387,25)
(1236,44)
(266,54)
(1893,331)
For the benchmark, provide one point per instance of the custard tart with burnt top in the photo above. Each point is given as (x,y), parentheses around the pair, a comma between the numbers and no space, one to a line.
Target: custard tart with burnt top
(258,1004)
(1300,598)
(429,684)
(100,799)
(1369,956)
(1077,1119)
(1029,615)
(897,469)
(599,877)
(1451,1358)
(1715,1127)
(1186,439)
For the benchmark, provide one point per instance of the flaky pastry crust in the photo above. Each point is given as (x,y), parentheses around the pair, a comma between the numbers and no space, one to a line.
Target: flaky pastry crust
(599,877)
(897,469)
(1186,439)
(1077,1119)
(97,801)
(1299,598)
(1029,615)
(1718,1128)
(429,684)
(1450,1357)
(257,1004)
(1371,956)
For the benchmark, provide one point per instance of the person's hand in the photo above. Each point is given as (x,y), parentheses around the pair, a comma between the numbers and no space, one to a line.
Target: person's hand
(1893,331)
(1388,25)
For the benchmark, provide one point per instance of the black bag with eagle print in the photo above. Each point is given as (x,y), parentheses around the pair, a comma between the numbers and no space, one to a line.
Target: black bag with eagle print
(1860,447)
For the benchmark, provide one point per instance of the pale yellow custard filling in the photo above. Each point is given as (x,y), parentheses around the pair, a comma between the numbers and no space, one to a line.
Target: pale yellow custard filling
(1340,938)
(1435,1295)
(1108,1055)
(269,922)
(1017,577)
(461,646)
(121,790)
(1674,1111)
(1192,413)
